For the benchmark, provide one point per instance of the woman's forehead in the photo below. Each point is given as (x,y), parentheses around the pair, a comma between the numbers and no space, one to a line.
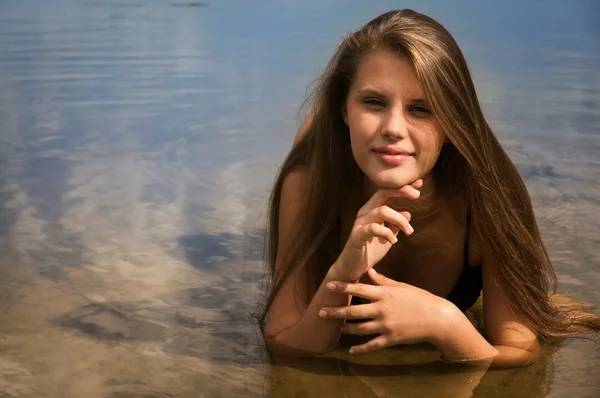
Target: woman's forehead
(389,74)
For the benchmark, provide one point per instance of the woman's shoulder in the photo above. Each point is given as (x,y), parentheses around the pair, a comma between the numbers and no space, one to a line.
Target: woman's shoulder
(295,182)
(304,126)
(293,195)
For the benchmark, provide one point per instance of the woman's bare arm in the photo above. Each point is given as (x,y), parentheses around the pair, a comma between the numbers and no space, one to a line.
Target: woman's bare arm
(516,343)
(293,325)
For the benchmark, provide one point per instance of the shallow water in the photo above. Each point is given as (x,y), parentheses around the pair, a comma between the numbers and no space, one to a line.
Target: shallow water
(138,142)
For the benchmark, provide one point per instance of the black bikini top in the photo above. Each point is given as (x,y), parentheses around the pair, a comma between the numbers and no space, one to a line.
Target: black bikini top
(467,289)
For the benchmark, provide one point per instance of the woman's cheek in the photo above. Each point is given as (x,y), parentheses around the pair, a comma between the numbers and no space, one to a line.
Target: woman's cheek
(426,163)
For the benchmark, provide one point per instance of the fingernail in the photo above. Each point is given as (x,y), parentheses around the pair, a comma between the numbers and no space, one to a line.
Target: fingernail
(322,313)
(331,286)
(395,239)
(352,351)
(417,193)
(410,229)
(372,270)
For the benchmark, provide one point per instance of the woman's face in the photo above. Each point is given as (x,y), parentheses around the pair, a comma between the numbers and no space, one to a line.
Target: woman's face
(395,138)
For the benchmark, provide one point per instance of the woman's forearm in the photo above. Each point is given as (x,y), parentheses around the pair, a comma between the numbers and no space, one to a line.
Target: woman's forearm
(459,341)
(312,335)
(456,337)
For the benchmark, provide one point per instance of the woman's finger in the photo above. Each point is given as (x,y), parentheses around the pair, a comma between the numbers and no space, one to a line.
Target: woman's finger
(362,329)
(361,311)
(417,184)
(385,214)
(375,344)
(381,197)
(374,230)
(407,215)
(364,290)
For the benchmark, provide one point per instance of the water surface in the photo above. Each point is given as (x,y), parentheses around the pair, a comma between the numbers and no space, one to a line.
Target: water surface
(138,142)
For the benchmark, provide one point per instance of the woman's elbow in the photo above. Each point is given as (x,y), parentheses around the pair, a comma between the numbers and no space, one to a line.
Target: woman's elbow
(279,348)
(512,357)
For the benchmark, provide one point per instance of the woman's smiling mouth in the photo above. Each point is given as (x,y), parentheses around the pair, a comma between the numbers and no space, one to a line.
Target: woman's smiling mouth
(392,156)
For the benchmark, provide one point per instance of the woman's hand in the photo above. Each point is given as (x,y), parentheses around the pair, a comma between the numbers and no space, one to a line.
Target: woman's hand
(399,313)
(374,231)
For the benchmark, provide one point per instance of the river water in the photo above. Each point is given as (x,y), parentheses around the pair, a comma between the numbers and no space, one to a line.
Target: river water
(138,142)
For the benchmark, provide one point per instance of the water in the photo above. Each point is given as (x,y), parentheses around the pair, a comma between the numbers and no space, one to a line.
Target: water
(138,142)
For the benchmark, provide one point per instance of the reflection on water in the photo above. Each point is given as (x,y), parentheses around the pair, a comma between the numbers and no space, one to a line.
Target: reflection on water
(406,373)
(138,142)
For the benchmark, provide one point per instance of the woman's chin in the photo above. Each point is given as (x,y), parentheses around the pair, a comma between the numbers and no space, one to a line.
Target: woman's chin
(392,185)
(394,182)
(391,178)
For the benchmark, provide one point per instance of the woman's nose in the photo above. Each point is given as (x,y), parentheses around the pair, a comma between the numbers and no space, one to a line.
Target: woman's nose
(395,125)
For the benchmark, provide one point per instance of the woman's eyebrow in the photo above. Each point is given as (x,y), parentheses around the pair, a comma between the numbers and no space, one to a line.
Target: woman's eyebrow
(370,91)
(378,93)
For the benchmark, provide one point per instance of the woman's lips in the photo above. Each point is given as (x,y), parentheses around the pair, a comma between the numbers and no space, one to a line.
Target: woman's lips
(391,158)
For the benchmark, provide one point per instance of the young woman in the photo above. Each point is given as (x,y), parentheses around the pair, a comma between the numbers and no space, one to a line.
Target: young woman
(397,207)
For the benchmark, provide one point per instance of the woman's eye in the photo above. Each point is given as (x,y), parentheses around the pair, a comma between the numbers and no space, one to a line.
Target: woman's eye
(373,102)
(421,110)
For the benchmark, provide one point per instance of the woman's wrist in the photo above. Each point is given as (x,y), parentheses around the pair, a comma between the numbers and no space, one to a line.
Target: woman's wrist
(338,272)
(444,319)
(456,338)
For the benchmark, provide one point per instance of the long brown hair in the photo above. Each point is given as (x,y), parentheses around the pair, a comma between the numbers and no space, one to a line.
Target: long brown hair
(473,168)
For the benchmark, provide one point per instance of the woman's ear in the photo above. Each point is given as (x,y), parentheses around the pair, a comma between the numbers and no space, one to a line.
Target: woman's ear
(345,114)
